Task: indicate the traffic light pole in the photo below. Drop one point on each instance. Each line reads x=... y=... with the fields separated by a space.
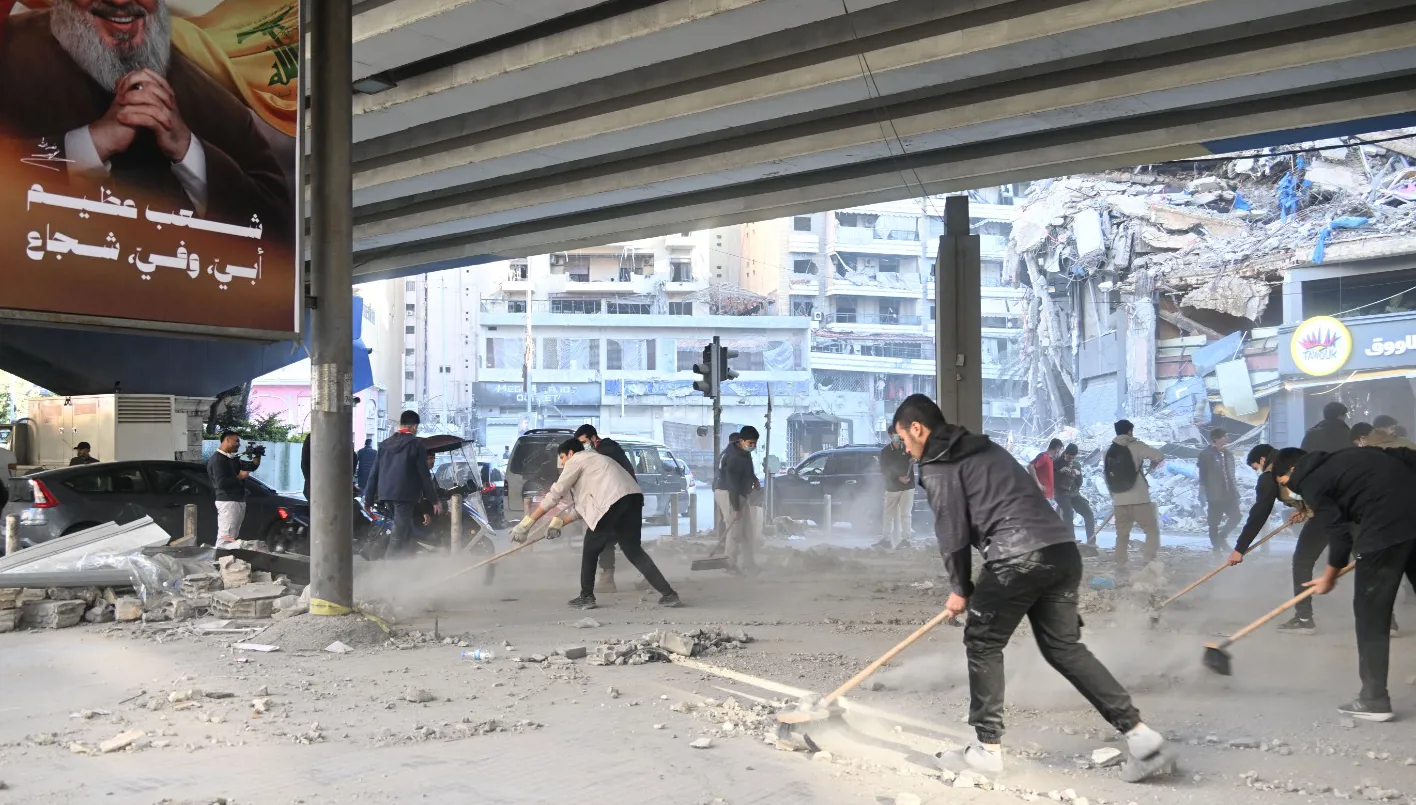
x=717 y=412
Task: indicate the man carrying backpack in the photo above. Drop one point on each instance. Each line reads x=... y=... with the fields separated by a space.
x=1130 y=493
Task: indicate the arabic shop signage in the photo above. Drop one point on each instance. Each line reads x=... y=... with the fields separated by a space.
x=510 y=394
x=1322 y=345
x=108 y=213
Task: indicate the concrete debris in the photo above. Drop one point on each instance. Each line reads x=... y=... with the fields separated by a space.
x=1107 y=756
x=587 y=623
x=417 y=696
x=10 y=619
x=657 y=646
x=247 y=601
x=128 y=609
x=970 y=779
x=338 y=648
x=288 y=606
x=613 y=693
x=234 y=572
x=573 y=652
x=53 y=614
x=98 y=613
x=122 y=740
x=261 y=704
x=201 y=584
x=702 y=743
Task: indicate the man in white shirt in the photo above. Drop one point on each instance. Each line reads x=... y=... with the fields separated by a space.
x=610 y=502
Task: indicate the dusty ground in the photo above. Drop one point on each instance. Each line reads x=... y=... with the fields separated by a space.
x=341 y=728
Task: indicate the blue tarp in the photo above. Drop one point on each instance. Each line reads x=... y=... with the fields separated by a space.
x=1345 y=222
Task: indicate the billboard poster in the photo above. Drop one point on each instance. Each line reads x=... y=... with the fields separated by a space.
x=148 y=162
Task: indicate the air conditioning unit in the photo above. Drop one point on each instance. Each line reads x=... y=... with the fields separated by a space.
x=816 y=315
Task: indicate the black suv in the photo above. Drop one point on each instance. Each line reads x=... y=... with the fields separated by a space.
x=851 y=476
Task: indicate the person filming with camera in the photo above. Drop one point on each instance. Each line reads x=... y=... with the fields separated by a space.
x=228 y=475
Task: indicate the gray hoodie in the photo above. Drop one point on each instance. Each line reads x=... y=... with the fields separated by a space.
x=1140 y=492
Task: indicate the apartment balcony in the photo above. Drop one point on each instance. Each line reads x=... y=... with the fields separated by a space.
x=884 y=284
x=686 y=286
x=872 y=323
x=803 y=242
x=1008 y=293
x=635 y=284
x=803 y=284
x=866 y=241
x=681 y=240
x=512 y=313
x=990 y=247
x=515 y=287
x=832 y=360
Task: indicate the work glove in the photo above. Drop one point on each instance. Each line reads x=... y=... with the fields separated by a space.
x=522 y=530
x=554 y=531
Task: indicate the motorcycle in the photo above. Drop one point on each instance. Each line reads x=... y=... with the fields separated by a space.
x=455 y=474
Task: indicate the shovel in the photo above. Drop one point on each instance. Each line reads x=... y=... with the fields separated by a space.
x=1218 y=660
x=1155 y=616
x=822 y=709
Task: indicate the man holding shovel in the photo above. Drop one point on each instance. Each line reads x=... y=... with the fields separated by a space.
x=982 y=498
x=612 y=505
x=1370 y=486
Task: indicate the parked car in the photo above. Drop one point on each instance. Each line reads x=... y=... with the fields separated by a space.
x=532 y=470
x=493 y=493
x=55 y=503
x=851 y=476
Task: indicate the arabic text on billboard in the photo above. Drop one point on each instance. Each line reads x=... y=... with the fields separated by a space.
x=147 y=160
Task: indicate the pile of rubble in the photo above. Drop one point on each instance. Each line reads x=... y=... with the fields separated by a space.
x=657 y=646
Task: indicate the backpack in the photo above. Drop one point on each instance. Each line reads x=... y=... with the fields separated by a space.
x=1120 y=469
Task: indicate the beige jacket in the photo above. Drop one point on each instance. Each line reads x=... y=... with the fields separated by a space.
x=596 y=482
x=1382 y=439
x=1139 y=493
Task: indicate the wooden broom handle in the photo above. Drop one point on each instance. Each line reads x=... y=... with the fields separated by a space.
x=1281 y=608
x=889 y=655
x=1260 y=541
x=508 y=552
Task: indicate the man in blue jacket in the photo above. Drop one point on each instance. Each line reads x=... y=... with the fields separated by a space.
x=401 y=478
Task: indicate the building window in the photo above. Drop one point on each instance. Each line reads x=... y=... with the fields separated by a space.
x=889 y=265
x=688 y=356
x=575 y=305
x=506 y=353
x=410 y=329
x=845 y=310
x=409 y=352
x=680 y=270
x=803 y=266
x=801 y=223
x=570 y=353
x=410 y=308
x=629 y=354
x=889 y=312
x=627 y=309
x=409 y=375
x=802 y=306
x=680 y=308
x=410 y=285
x=518 y=306
x=857 y=219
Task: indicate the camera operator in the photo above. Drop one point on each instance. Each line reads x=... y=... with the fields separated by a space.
x=228 y=475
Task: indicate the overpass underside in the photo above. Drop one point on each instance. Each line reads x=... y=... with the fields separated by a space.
x=688 y=114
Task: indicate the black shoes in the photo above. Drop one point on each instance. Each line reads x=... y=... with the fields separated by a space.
x=583 y=602
x=1298 y=626
x=1367 y=711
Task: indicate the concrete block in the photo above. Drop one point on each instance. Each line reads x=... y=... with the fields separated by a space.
x=53 y=614
x=122 y=740
x=572 y=652
x=10 y=619
x=681 y=645
x=99 y=613
x=128 y=609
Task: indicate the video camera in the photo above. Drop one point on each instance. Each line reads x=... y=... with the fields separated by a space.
x=254 y=451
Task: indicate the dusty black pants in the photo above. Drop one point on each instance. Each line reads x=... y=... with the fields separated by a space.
x=1069 y=505
x=622 y=525
x=1223 y=518
x=1041 y=586
x=1378 y=579
x=1312 y=541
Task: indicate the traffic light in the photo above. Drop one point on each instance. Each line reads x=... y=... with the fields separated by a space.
x=704 y=369
x=725 y=372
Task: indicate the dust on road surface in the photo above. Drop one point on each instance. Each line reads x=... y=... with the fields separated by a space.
x=412 y=721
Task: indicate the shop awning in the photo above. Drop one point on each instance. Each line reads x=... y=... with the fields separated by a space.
x=1339 y=378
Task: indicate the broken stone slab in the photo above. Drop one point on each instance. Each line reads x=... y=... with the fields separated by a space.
x=573 y=652
x=702 y=743
x=53 y=614
x=1107 y=756
x=10 y=619
x=679 y=644
x=338 y=647
x=234 y=572
x=969 y=779
x=200 y=584
x=101 y=612
x=128 y=609
x=417 y=696
x=587 y=623
x=123 y=740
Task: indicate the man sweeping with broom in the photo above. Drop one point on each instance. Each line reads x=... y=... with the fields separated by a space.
x=982 y=498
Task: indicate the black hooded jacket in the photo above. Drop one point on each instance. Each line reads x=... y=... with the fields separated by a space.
x=1367 y=487
x=1328 y=436
x=983 y=498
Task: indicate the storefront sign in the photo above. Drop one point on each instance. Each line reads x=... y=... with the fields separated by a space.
x=1382 y=346
x=1320 y=346
x=541 y=394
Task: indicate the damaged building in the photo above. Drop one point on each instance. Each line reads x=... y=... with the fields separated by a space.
x=1244 y=291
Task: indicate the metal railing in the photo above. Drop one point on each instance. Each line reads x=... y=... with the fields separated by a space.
x=873 y=318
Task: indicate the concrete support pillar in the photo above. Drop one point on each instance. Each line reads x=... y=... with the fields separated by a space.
x=958 y=319
x=331 y=320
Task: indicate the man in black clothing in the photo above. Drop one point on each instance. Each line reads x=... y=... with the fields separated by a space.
x=1067 y=484
x=1216 y=465
x=1331 y=434
x=732 y=491
x=588 y=436
x=364 y=464
x=982 y=498
x=82 y=455
x=228 y=474
x=1312 y=538
x=1371 y=487
x=401 y=478
x=897 y=468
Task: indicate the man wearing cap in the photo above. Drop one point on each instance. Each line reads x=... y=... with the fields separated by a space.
x=82 y=457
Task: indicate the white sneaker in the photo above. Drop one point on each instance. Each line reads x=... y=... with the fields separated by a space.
x=975 y=756
x=1151 y=755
